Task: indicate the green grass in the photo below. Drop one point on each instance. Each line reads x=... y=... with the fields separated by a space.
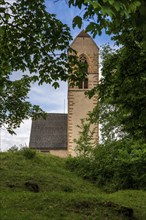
x=62 y=195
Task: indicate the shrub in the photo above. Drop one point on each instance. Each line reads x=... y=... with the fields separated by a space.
x=28 y=153
x=80 y=165
x=114 y=166
x=85 y=142
x=13 y=149
x=120 y=165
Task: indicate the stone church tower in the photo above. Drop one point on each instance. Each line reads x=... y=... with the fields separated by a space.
x=78 y=104
x=57 y=132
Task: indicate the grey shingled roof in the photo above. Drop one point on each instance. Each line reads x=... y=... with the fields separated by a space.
x=49 y=133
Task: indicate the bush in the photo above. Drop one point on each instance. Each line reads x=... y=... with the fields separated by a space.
x=13 y=149
x=121 y=165
x=81 y=166
x=85 y=142
x=28 y=153
x=114 y=166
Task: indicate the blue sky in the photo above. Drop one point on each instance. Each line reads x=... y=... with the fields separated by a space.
x=66 y=15
x=48 y=98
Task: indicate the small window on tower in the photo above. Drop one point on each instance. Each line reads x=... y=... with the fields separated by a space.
x=86 y=83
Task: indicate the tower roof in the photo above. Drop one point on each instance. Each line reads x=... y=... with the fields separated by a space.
x=83 y=34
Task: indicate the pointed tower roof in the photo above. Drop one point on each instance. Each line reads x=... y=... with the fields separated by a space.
x=83 y=34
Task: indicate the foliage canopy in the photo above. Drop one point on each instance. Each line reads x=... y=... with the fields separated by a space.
x=115 y=16
x=122 y=89
x=34 y=41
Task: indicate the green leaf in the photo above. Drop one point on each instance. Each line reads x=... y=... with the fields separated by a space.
x=77 y=21
x=55 y=85
x=2 y=10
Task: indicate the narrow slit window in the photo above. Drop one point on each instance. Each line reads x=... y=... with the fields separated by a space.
x=86 y=83
x=83 y=84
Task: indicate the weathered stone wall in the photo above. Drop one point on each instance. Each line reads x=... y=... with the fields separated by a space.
x=78 y=104
x=59 y=153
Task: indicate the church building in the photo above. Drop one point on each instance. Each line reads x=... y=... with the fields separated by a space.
x=57 y=132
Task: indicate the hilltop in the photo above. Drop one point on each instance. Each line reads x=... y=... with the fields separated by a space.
x=39 y=186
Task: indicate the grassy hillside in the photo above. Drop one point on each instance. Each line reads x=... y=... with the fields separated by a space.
x=41 y=188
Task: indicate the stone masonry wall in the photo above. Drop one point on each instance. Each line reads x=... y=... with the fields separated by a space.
x=78 y=104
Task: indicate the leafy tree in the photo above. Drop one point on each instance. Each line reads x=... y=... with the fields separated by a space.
x=122 y=89
x=30 y=37
x=85 y=142
x=115 y=16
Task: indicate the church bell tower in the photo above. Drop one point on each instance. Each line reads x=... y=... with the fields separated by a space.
x=78 y=103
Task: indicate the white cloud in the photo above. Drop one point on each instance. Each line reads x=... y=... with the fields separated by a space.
x=22 y=138
x=48 y=98
x=11 y=1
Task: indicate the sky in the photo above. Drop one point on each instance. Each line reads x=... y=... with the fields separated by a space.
x=49 y=99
